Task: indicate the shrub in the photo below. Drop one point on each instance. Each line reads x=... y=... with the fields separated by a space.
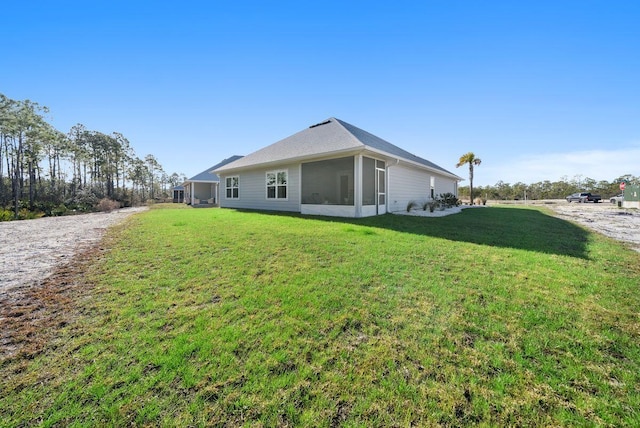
x=411 y=205
x=59 y=210
x=449 y=200
x=107 y=205
x=431 y=205
x=84 y=200
x=6 y=215
x=25 y=214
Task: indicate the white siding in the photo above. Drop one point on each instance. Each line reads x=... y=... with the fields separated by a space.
x=252 y=190
x=404 y=185
x=410 y=184
x=445 y=185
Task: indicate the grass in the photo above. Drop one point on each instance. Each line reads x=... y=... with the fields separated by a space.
x=495 y=316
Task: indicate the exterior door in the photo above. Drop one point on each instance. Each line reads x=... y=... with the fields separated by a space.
x=381 y=188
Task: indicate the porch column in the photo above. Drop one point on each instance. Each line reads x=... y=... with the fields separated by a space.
x=357 y=185
x=193 y=189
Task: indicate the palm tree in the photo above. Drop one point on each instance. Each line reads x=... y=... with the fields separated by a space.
x=472 y=160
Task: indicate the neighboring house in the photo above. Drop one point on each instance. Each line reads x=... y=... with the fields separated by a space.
x=335 y=169
x=203 y=188
x=178 y=194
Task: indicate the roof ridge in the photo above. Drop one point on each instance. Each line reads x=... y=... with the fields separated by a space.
x=342 y=123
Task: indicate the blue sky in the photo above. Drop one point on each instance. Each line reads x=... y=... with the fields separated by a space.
x=539 y=90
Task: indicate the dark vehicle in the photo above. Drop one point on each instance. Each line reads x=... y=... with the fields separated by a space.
x=616 y=199
x=584 y=197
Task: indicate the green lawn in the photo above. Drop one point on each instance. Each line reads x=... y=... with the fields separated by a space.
x=496 y=316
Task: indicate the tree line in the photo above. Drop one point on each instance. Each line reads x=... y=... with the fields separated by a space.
x=548 y=189
x=45 y=170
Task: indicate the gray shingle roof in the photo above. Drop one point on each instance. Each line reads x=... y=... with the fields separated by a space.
x=208 y=175
x=330 y=136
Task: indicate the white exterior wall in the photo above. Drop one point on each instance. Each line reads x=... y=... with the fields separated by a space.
x=329 y=210
x=405 y=184
x=252 y=190
x=445 y=185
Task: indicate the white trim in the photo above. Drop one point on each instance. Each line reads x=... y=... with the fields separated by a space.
x=329 y=210
x=368 y=211
x=276 y=185
x=227 y=187
x=357 y=184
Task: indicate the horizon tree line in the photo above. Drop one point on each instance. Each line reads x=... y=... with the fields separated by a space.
x=547 y=189
x=44 y=169
x=540 y=190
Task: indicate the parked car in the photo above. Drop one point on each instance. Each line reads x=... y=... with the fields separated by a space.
x=616 y=199
x=583 y=197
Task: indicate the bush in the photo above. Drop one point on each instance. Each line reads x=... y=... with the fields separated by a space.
x=59 y=210
x=25 y=214
x=430 y=205
x=107 y=205
x=411 y=205
x=6 y=215
x=449 y=200
x=85 y=200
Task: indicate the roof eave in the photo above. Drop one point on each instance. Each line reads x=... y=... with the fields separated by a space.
x=350 y=150
x=203 y=181
x=414 y=163
x=224 y=170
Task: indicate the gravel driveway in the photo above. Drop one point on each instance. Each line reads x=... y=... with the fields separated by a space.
x=31 y=249
x=622 y=224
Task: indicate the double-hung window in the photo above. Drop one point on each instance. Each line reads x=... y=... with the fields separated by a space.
x=231 y=185
x=277 y=184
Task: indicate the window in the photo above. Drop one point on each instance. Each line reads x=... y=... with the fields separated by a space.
x=232 y=187
x=277 y=183
x=432 y=184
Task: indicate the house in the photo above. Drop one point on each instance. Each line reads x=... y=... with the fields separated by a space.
x=178 y=194
x=332 y=168
x=203 y=188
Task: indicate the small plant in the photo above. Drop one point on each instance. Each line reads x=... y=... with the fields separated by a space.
x=412 y=205
x=430 y=205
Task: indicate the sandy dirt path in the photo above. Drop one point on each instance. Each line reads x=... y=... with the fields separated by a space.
x=618 y=223
x=30 y=250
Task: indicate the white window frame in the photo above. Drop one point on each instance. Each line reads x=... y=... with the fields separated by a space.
x=231 y=187
x=432 y=187
x=276 y=184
